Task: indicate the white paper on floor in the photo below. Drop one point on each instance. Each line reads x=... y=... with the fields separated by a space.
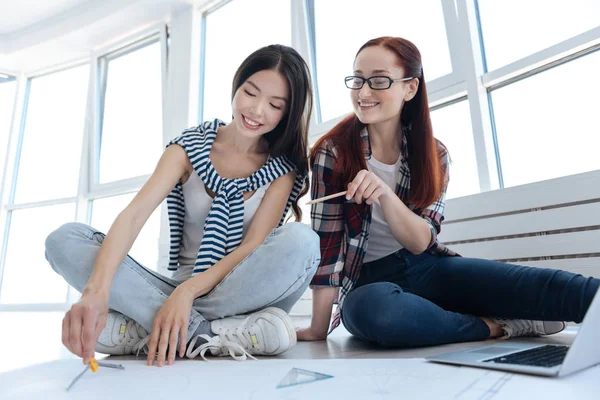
x=383 y=379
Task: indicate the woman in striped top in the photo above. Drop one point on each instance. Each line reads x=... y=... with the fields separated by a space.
x=238 y=268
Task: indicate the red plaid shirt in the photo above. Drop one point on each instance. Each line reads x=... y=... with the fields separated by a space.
x=344 y=226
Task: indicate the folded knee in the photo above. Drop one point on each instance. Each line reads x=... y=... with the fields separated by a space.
x=299 y=240
x=371 y=313
x=63 y=237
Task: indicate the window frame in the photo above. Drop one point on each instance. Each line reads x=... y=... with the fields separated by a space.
x=88 y=189
x=100 y=61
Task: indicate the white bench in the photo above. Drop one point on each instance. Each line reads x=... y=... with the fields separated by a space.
x=550 y=224
x=553 y=224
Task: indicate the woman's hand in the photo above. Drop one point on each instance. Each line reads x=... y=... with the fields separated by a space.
x=367 y=187
x=171 y=323
x=83 y=323
x=308 y=335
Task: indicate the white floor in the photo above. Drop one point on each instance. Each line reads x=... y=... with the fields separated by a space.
x=28 y=338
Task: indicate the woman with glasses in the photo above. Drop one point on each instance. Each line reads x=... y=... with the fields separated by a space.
x=395 y=284
x=231 y=253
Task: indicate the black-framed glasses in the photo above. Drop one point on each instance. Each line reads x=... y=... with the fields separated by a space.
x=375 y=82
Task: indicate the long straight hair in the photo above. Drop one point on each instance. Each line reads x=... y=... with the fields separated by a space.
x=427 y=176
x=290 y=136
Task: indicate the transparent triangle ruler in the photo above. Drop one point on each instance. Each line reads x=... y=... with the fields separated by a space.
x=298 y=376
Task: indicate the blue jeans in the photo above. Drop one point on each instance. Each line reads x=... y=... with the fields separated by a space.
x=275 y=274
x=407 y=300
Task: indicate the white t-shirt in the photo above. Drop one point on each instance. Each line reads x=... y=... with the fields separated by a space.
x=381 y=241
x=197 y=207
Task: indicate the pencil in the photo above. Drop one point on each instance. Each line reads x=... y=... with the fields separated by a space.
x=331 y=196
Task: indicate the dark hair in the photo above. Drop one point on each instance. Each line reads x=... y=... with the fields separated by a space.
x=290 y=136
x=427 y=175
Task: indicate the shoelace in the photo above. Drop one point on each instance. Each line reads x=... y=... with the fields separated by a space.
x=230 y=341
x=516 y=327
x=133 y=338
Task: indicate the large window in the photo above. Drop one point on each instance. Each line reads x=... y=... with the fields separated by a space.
x=52 y=138
x=452 y=126
x=343 y=26
x=145 y=248
x=27 y=276
x=79 y=156
x=547 y=123
x=48 y=169
x=131 y=130
x=7 y=100
x=233 y=32
x=513 y=29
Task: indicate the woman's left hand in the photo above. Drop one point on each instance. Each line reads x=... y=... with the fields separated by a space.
x=171 y=323
x=367 y=187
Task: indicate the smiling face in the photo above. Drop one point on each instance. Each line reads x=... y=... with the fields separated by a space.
x=376 y=106
x=260 y=103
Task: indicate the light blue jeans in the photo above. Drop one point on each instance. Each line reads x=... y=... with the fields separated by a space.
x=275 y=274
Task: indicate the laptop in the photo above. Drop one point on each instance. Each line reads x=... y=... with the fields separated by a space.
x=536 y=359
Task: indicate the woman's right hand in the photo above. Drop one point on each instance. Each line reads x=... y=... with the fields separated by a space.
x=83 y=324
x=323 y=299
x=308 y=334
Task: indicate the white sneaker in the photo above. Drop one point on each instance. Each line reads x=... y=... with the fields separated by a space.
x=266 y=332
x=121 y=335
x=525 y=327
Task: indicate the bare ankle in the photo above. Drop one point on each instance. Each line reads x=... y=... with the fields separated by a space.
x=495 y=328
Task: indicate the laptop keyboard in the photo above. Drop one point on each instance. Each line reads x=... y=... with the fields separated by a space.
x=543 y=356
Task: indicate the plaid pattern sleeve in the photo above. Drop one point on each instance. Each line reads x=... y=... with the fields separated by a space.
x=434 y=214
x=328 y=219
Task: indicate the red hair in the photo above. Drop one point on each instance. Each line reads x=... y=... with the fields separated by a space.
x=426 y=173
